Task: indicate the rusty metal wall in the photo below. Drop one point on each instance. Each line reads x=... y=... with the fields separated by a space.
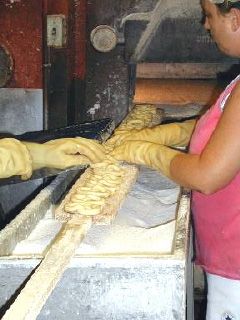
x=60 y=71
x=21 y=34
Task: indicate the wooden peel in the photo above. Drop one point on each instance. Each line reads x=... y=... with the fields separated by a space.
x=33 y=296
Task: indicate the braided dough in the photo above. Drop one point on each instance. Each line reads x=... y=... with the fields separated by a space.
x=103 y=181
x=142 y=116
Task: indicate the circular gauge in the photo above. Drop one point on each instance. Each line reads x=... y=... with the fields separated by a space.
x=103 y=38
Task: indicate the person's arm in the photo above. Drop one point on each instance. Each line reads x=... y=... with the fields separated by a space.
x=65 y=152
x=176 y=134
x=15 y=159
x=219 y=162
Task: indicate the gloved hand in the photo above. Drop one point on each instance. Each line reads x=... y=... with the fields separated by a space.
x=14 y=159
x=65 y=152
x=154 y=155
x=172 y=134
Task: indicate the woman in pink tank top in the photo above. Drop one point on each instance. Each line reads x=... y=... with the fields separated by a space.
x=214 y=175
x=211 y=170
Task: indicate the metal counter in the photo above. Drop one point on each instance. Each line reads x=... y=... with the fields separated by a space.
x=103 y=284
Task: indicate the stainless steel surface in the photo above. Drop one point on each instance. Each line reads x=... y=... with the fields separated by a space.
x=21 y=110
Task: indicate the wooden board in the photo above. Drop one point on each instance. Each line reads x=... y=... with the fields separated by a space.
x=112 y=204
x=34 y=295
x=176 y=92
x=181 y=70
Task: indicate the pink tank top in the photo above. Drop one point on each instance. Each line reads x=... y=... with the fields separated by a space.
x=216 y=216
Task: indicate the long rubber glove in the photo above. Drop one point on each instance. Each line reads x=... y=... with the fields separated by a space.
x=14 y=159
x=172 y=134
x=65 y=152
x=154 y=155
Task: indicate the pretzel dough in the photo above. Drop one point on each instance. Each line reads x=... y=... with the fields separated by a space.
x=142 y=116
x=103 y=181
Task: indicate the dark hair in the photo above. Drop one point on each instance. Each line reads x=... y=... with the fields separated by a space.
x=227 y=5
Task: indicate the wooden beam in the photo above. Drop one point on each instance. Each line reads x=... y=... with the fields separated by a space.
x=30 y=301
x=181 y=70
x=176 y=91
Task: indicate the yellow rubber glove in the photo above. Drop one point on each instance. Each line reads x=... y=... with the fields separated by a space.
x=14 y=159
x=154 y=155
x=65 y=152
x=172 y=134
